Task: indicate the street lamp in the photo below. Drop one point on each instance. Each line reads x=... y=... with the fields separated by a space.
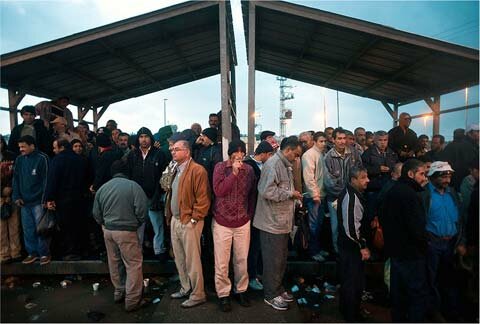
x=165 y=112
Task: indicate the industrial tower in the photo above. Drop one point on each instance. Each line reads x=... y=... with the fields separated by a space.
x=285 y=113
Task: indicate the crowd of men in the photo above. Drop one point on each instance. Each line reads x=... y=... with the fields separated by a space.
x=172 y=193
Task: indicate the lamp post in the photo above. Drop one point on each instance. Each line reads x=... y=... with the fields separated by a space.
x=165 y=112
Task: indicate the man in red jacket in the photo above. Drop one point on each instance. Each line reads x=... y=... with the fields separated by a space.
x=234 y=187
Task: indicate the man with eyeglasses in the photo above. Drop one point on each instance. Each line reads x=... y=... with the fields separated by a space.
x=402 y=140
x=188 y=203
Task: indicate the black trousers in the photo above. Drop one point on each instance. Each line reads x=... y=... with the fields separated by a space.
x=274 y=253
x=72 y=222
x=352 y=279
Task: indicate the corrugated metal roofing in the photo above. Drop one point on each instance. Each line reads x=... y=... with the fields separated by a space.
x=356 y=56
x=126 y=59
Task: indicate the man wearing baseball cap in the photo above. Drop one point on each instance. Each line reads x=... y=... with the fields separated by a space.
x=445 y=234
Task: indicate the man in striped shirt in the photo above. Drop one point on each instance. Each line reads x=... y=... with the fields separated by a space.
x=351 y=243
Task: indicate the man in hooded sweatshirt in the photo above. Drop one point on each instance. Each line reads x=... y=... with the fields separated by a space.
x=146 y=164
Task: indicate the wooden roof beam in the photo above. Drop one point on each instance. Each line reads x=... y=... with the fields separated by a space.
x=305 y=47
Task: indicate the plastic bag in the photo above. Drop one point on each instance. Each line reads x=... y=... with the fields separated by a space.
x=47 y=224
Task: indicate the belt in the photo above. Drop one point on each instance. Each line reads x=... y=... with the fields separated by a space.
x=440 y=238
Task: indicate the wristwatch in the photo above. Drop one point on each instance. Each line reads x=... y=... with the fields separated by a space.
x=193 y=221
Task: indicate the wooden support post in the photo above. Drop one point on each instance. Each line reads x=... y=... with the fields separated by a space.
x=224 y=82
x=435 y=107
x=95 y=118
x=14 y=99
x=251 y=77
x=82 y=112
x=395 y=114
x=233 y=91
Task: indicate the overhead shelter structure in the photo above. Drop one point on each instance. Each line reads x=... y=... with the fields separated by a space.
x=353 y=56
x=129 y=58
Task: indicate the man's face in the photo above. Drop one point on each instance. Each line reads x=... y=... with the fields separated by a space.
x=196 y=128
x=424 y=142
x=145 y=141
x=307 y=141
x=26 y=149
x=369 y=141
x=64 y=102
x=381 y=142
x=56 y=148
x=122 y=142
x=115 y=134
x=111 y=126
x=473 y=135
x=28 y=118
x=82 y=129
x=436 y=144
x=60 y=127
x=213 y=121
x=418 y=176
x=321 y=143
x=329 y=134
x=404 y=120
x=205 y=140
x=350 y=140
x=237 y=156
x=340 y=141
x=361 y=136
x=179 y=152
x=292 y=154
x=265 y=156
x=442 y=181
x=77 y=148
x=361 y=181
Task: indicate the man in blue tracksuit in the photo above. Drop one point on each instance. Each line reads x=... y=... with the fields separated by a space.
x=29 y=183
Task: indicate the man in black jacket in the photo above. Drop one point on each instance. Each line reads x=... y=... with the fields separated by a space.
x=33 y=127
x=146 y=164
x=379 y=161
x=402 y=140
x=107 y=154
x=403 y=221
x=66 y=187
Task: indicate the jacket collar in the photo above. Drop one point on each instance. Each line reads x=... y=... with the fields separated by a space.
x=336 y=154
x=119 y=175
x=282 y=158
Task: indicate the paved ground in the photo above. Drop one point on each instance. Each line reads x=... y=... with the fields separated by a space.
x=51 y=303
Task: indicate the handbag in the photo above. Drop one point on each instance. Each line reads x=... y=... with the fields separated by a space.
x=302 y=235
x=47 y=224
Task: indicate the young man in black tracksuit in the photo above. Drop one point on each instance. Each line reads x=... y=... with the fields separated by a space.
x=146 y=164
x=352 y=244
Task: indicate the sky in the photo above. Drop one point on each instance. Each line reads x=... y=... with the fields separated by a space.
x=27 y=23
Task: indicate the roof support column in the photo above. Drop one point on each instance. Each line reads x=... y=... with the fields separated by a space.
x=82 y=112
x=224 y=80
x=435 y=107
x=233 y=92
x=95 y=118
x=14 y=99
x=393 y=112
x=251 y=77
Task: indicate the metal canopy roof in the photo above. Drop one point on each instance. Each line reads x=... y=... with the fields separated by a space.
x=125 y=59
x=355 y=56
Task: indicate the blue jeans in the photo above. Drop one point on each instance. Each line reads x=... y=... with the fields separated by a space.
x=156 y=218
x=315 y=221
x=34 y=244
x=334 y=224
x=408 y=290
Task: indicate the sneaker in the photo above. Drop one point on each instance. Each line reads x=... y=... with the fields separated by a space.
x=277 y=303
x=45 y=259
x=287 y=297
x=318 y=257
x=30 y=259
x=324 y=253
x=192 y=303
x=179 y=295
x=255 y=284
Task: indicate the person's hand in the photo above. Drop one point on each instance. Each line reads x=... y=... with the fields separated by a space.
x=461 y=249
x=316 y=200
x=297 y=195
x=51 y=205
x=375 y=223
x=92 y=190
x=199 y=140
x=365 y=254
x=236 y=165
x=410 y=153
x=384 y=168
x=19 y=202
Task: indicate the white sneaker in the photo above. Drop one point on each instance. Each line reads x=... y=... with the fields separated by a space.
x=318 y=257
x=287 y=297
x=277 y=303
x=255 y=284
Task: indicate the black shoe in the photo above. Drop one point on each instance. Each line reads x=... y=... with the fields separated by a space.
x=162 y=257
x=225 y=305
x=243 y=299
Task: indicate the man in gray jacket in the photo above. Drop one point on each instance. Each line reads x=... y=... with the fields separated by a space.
x=120 y=207
x=274 y=218
x=338 y=162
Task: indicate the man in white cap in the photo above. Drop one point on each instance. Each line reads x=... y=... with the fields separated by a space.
x=445 y=234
